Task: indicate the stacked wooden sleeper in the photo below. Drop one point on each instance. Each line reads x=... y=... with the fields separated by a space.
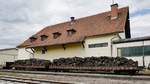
x=75 y=62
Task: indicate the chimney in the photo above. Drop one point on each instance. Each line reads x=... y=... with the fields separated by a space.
x=114 y=11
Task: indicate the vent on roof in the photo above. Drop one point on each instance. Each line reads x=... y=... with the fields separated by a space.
x=72 y=20
x=56 y=35
x=71 y=32
x=32 y=39
x=43 y=37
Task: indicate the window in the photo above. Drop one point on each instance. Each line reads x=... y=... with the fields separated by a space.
x=71 y=32
x=130 y=51
x=44 y=50
x=43 y=37
x=98 y=45
x=147 y=50
x=134 y=51
x=32 y=39
x=56 y=35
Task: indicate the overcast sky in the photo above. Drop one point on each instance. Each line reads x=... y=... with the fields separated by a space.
x=20 y=19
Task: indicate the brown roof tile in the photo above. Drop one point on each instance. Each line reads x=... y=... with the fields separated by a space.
x=99 y=24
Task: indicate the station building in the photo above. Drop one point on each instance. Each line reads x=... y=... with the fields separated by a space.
x=103 y=34
x=8 y=55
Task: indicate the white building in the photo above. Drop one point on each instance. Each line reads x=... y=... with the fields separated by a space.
x=137 y=49
x=83 y=37
x=8 y=55
x=104 y=34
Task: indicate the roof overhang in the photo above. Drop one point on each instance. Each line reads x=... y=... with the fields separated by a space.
x=132 y=40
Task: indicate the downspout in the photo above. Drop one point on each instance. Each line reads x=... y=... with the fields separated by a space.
x=143 y=55
x=32 y=53
x=83 y=44
x=111 y=45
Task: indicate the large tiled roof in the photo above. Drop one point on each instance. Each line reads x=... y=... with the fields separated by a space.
x=99 y=24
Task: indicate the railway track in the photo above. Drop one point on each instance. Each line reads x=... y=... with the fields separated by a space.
x=30 y=80
x=91 y=75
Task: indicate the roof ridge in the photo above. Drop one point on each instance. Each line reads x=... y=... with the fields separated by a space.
x=64 y=22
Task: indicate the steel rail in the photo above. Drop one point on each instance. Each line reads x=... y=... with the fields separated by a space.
x=91 y=75
x=30 y=80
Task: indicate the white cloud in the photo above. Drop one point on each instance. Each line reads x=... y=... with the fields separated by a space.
x=140 y=25
x=21 y=18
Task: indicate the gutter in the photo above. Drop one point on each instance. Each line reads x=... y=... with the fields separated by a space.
x=117 y=35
